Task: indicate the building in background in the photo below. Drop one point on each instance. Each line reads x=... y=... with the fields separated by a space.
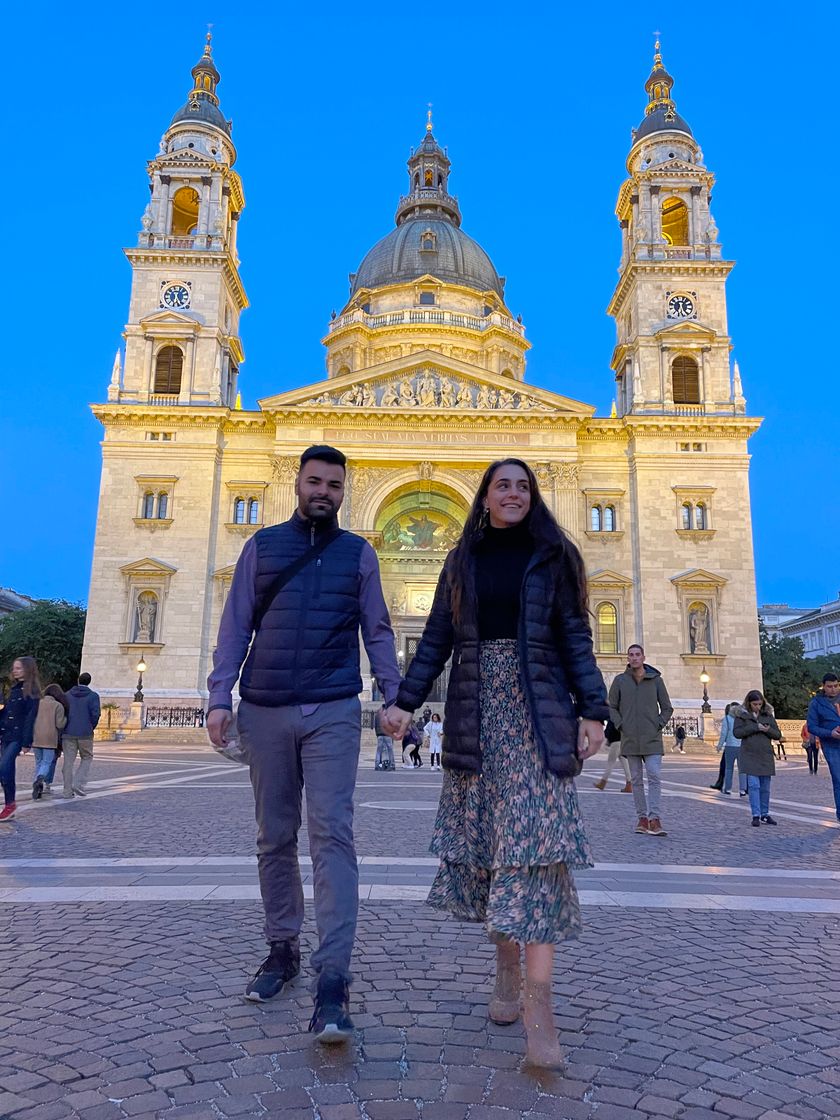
x=11 y=601
x=425 y=385
x=818 y=628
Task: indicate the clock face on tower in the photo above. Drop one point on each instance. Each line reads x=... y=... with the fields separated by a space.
x=680 y=307
x=176 y=296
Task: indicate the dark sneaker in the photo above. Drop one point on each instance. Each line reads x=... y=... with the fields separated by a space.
x=756 y=822
x=768 y=820
x=331 y=1022
x=37 y=788
x=280 y=966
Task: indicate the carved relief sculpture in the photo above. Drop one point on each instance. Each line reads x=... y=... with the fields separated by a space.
x=145 y=617
x=698 y=628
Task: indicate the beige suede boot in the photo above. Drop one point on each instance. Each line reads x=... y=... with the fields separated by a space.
x=543 y=1049
x=504 y=1003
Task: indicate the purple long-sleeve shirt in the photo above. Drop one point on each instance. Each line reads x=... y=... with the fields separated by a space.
x=237 y=627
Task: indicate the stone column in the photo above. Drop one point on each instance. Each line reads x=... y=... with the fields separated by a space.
x=204 y=214
x=282 y=491
x=656 y=221
x=694 y=217
x=567 y=494
x=146 y=385
x=667 y=383
x=188 y=375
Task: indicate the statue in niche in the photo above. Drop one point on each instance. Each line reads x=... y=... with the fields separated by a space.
x=698 y=628
x=407 y=396
x=465 y=399
x=447 y=392
x=426 y=391
x=389 y=397
x=145 y=617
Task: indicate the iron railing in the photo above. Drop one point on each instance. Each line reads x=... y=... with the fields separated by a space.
x=174 y=717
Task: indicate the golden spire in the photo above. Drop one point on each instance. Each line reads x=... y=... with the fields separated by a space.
x=657 y=57
x=208 y=52
x=429 y=118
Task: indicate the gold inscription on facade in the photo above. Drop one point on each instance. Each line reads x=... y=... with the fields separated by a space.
x=395 y=438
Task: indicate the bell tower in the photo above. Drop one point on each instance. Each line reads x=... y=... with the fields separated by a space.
x=672 y=352
x=182 y=343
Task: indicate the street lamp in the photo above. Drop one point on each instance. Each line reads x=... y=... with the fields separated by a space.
x=704 y=680
x=141 y=669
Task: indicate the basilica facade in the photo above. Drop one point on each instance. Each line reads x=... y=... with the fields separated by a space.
x=426 y=384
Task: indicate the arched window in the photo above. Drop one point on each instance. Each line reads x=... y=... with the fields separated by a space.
x=675 y=221
x=506 y=373
x=169 y=365
x=700 y=520
x=686 y=515
x=343 y=371
x=609 y=519
x=184 y=212
x=607 y=628
x=685 y=380
x=416 y=182
x=239 y=511
x=595 y=519
x=148 y=505
x=253 y=512
x=163 y=505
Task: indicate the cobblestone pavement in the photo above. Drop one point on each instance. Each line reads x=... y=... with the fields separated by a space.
x=706 y=984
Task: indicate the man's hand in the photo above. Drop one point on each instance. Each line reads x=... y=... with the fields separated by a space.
x=395 y=721
x=590 y=738
x=218 y=723
x=835 y=731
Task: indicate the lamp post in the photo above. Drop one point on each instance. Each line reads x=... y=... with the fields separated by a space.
x=706 y=708
x=141 y=669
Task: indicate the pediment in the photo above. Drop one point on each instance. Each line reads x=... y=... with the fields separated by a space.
x=606 y=577
x=182 y=156
x=425 y=382
x=148 y=566
x=699 y=577
x=167 y=318
x=685 y=328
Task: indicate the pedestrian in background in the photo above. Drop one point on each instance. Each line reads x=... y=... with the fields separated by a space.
x=730 y=744
x=525 y=705
x=384 y=759
x=756 y=727
x=613 y=737
x=51 y=718
x=640 y=708
x=824 y=722
x=812 y=748
x=17 y=726
x=679 y=739
x=434 y=731
x=77 y=738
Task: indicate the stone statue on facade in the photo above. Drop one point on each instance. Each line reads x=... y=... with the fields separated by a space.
x=389 y=397
x=698 y=628
x=426 y=391
x=144 y=628
x=465 y=398
x=407 y=396
x=447 y=392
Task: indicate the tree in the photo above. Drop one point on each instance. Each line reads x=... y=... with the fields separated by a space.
x=788 y=681
x=51 y=631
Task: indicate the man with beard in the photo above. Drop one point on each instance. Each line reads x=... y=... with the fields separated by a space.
x=299 y=595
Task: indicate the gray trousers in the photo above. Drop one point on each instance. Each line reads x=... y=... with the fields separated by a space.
x=652 y=763
x=71 y=745
x=286 y=751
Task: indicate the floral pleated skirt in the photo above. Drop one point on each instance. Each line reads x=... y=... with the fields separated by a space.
x=509 y=837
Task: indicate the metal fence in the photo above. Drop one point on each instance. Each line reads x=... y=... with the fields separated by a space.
x=690 y=723
x=174 y=717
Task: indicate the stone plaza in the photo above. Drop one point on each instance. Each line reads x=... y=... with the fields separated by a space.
x=706 y=983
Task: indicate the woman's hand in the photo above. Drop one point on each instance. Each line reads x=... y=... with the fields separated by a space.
x=590 y=738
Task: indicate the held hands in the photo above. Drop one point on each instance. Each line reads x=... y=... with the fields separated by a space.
x=395 y=721
x=590 y=738
x=218 y=723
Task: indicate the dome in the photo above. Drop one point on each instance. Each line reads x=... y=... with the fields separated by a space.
x=662 y=119
x=454 y=258
x=200 y=110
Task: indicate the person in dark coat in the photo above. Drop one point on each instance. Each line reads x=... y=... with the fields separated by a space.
x=525 y=704
x=756 y=727
x=17 y=726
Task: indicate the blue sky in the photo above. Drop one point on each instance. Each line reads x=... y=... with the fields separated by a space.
x=535 y=104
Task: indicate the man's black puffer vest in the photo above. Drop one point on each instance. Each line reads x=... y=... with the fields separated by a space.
x=307 y=649
x=560 y=676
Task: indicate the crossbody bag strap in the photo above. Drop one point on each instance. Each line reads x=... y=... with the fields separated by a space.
x=288 y=573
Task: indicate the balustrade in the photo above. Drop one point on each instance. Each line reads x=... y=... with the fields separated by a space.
x=422 y=315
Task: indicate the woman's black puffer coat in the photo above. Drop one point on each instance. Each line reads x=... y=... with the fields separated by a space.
x=560 y=676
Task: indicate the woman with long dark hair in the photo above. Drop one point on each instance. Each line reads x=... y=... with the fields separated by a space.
x=525 y=705
x=46 y=739
x=756 y=727
x=17 y=724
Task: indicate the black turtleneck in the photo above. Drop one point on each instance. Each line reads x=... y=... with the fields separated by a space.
x=501 y=559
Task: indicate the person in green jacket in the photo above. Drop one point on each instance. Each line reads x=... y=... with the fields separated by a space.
x=640 y=707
